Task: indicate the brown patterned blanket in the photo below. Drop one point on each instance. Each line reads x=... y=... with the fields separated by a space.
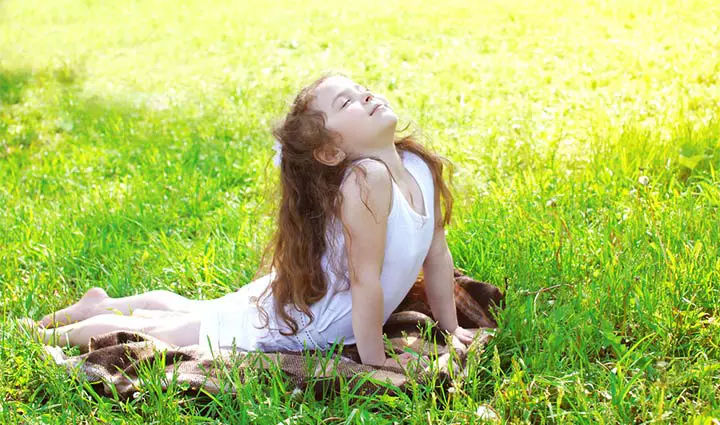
x=114 y=360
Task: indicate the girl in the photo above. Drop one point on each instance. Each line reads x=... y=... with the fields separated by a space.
x=359 y=217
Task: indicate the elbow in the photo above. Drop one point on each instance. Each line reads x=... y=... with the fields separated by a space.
x=442 y=257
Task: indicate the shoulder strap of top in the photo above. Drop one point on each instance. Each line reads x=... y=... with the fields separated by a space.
x=416 y=162
x=424 y=173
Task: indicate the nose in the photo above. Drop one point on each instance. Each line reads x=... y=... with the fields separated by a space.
x=367 y=97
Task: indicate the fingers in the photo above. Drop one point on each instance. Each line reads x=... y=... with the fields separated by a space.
x=459 y=344
x=406 y=357
x=464 y=335
x=392 y=363
x=459 y=341
x=465 y=338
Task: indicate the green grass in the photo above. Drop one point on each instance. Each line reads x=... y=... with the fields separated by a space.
x=134 y=152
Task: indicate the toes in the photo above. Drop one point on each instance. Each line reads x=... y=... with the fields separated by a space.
x=30 y=326
x=25 y=322
x=51 y=321
x=44 y=322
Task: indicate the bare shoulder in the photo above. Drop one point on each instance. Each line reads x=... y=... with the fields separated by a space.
x=368 y=185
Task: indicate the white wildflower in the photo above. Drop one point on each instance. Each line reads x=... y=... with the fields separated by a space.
x=487 y=413
x=277 y=147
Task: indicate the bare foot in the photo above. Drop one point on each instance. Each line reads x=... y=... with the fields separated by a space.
x=81 y=310
x=31 y=327
x=44 y=336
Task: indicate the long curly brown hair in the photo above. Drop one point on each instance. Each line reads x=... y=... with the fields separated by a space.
x=311 y=198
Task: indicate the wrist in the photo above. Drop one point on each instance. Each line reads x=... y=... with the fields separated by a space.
x=376 y=361
x=387 y=361
x=450 y=329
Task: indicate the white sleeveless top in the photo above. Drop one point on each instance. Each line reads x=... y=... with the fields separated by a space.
x=408 y=240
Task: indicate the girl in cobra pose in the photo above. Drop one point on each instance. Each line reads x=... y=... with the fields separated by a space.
x=359 y=218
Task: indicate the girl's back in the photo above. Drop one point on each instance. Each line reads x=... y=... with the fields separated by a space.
x=409 y=235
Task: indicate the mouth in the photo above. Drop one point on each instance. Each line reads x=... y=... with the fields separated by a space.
x=376 y=108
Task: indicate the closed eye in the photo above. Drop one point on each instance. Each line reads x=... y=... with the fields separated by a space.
x=345 y=103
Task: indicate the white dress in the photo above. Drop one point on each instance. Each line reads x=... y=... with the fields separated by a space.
x=235 y=318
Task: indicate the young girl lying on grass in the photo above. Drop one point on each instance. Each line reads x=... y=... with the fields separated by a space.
x=359 y=217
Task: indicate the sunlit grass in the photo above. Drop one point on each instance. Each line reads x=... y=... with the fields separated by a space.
x=135 y=155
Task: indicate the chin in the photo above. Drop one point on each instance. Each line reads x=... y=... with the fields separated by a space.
x=388 y=120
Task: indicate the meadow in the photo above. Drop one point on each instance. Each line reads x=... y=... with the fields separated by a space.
x=135 y=154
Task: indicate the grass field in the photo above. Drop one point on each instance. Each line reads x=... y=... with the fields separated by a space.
x=135 y=155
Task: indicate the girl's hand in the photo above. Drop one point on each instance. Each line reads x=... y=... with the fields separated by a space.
x=405 y=358
x=463 y=335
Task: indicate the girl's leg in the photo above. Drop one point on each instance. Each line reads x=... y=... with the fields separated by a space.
x=181 y=329
x=96 y=301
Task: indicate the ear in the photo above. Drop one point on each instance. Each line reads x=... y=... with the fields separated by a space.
x=329 y=155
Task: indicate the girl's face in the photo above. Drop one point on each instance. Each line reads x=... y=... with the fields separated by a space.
x=363 y=119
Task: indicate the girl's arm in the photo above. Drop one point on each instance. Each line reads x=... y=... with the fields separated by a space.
x=438 y=270
x=439 y=279
x=365 y=210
